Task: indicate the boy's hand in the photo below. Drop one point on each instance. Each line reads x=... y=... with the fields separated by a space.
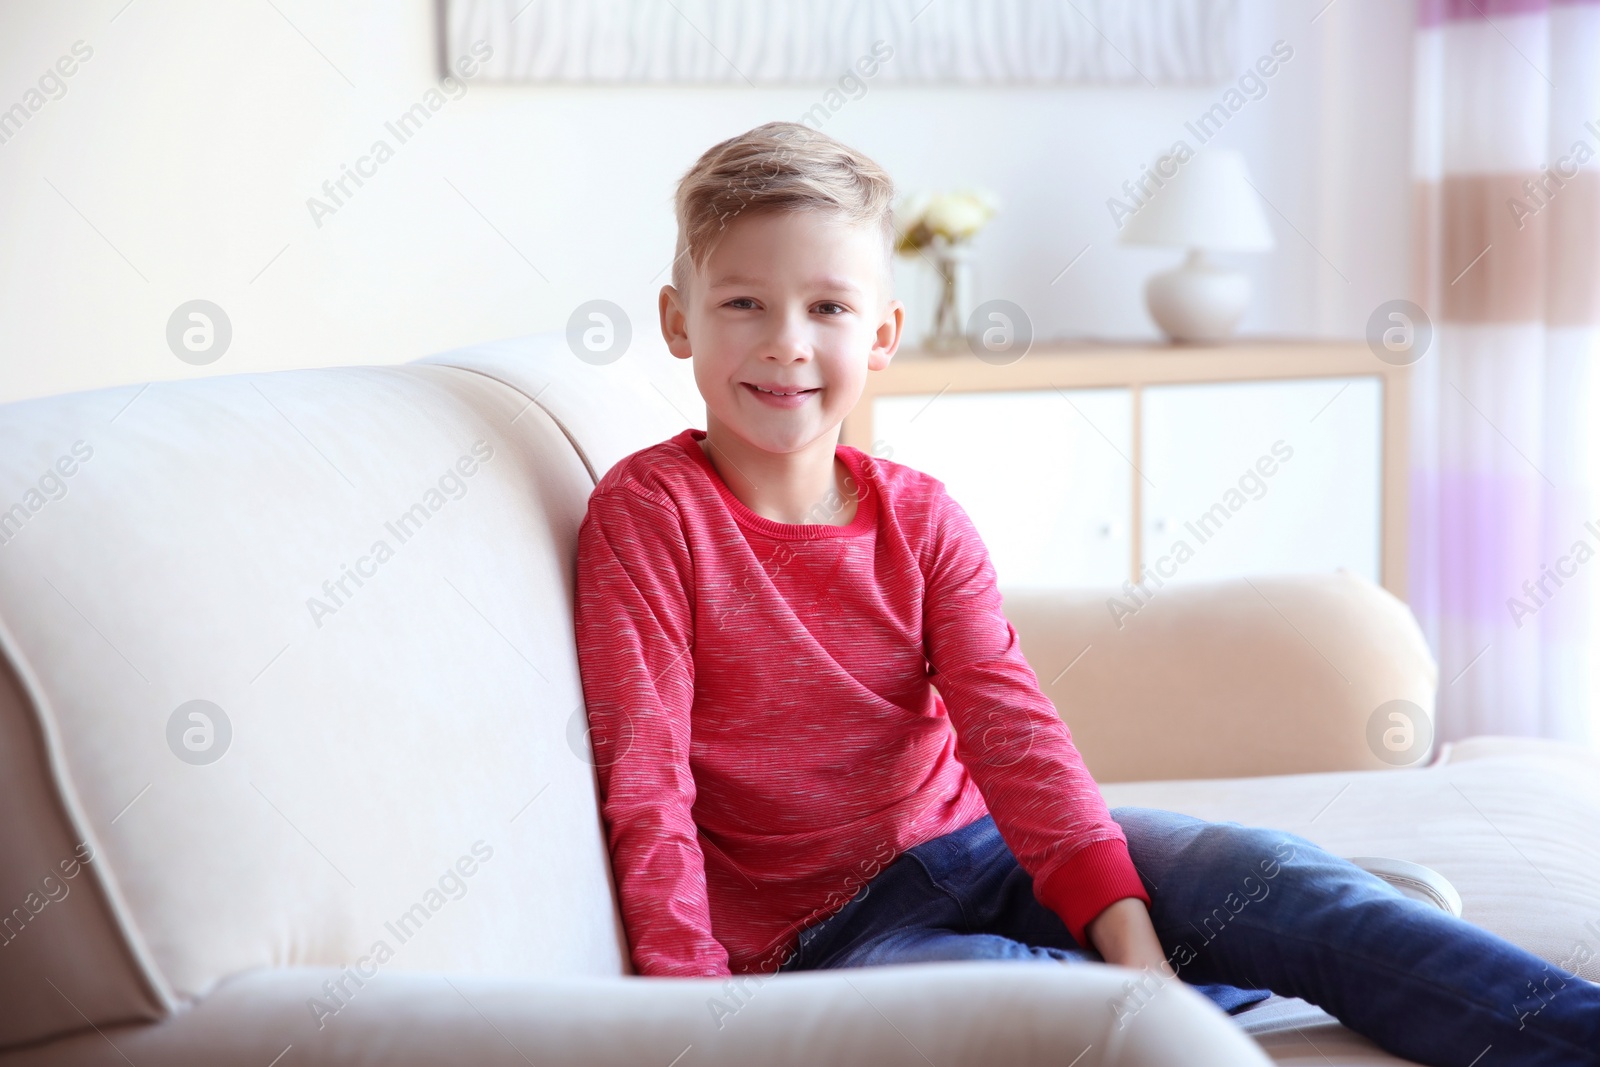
x=1124 y=935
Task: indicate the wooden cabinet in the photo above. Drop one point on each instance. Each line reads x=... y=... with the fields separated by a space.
x=1085 y=464
x=1038 y=471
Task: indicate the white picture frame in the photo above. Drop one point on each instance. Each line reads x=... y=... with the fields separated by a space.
x=777 y=42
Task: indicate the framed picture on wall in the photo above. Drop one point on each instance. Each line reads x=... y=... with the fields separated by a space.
x=736 y=42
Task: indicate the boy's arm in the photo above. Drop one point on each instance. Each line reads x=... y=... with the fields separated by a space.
x=1044 y=801
x=635 y=630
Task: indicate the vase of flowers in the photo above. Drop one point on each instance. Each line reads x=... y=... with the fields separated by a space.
x=940 y=228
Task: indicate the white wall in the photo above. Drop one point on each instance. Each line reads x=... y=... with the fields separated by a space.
x=179 y=161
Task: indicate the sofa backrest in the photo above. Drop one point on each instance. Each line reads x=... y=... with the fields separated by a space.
x=288 y=676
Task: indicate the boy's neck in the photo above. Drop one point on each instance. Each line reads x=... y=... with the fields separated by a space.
x=810 y=485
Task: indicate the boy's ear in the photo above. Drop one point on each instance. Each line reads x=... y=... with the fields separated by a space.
x=674 y=322
x=887 y=340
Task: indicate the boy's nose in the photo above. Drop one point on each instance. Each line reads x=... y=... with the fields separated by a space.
x=787 y=354
x=789 y=343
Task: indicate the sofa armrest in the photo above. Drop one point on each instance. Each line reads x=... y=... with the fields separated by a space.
x=969 y=1013
x=1257 y=676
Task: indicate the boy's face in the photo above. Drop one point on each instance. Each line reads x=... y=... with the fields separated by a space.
x=787 y=300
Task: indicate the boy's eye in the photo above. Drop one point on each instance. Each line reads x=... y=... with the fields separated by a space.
x=745 y=301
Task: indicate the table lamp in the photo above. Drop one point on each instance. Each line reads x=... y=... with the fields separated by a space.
x=1209 y=205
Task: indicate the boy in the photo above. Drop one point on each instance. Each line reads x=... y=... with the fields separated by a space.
x=761 y=617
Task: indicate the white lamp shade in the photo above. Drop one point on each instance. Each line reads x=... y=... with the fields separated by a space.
x=1208 y=204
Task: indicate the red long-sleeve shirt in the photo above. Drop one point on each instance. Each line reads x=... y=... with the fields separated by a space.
x=765 y=728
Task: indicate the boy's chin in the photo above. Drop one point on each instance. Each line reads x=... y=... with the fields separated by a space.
x=779 y=440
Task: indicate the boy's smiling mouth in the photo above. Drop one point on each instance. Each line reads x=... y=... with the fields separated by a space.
x=779 y=395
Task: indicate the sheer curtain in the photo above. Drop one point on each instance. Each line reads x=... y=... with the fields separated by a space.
x=1505 y=556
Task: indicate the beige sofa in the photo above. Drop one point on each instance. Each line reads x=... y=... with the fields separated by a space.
x=377 y=839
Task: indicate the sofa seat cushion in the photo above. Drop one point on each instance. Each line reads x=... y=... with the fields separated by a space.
x=1511 y=822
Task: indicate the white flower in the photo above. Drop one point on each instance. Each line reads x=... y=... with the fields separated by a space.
x=957 y=217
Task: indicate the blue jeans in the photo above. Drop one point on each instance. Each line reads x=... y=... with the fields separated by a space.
x=1241 y=912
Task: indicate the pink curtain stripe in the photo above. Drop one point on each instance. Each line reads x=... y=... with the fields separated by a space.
x=1434 y=12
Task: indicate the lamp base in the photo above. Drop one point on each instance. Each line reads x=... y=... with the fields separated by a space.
x=1197 y=302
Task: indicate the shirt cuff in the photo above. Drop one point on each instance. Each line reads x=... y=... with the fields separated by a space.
x=1093 y=878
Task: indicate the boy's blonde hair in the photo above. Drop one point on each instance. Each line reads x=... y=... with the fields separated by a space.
x=778 y=166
